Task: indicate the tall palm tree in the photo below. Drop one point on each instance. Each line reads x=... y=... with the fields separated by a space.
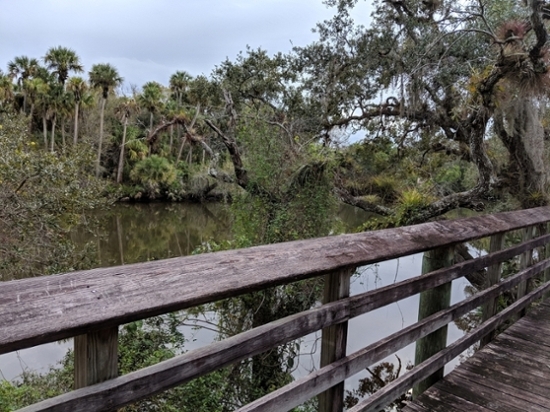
x=77 y=86
x=41 y=102
x=105 y=78
x=151 y=99
x=55 y=109
x=34 y=88
x=125 y=108
x=22 y=68
x=62 y=60
x=179 y=83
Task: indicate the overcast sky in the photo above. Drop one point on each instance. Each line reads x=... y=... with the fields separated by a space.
x=151 y=39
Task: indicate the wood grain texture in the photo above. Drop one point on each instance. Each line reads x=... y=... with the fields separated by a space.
x=137 y=385
x=509 y=374
x=299 y=391
x=493 y=277
x=400 y=385
x=95 y=357
x=544 y=229
x=41 y=310
x=525 y=261
x=432 y=301
x=149 y=381
x=334 y=339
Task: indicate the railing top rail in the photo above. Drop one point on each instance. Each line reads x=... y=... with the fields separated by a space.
x=45 y=309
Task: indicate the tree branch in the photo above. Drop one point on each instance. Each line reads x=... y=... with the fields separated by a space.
x=347 y=198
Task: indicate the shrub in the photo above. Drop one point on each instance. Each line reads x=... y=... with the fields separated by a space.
x=154 y=174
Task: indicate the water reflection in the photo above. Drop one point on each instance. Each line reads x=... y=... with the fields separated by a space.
x=130 y=233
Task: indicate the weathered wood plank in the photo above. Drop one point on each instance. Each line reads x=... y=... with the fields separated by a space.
x=40 y=310
x=442 y=401
x=507 y=375
x=148 y=381
x=512 y=342
x=489 y=372
x=392 y=293
x=492 y=382
x=531 y=335
x=299 y=391
x=545 y=228
x=95 y=357
x=493 y=277
x=485 y=396
x=525 y=261
x=334 y=339
x=432 y=301
x=413 y=407
x=395 y=388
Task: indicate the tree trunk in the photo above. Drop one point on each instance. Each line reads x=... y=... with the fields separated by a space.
x=520 y=130
x=121 y=157
x=190 y=155
x=180 y=151
x=45 y=131
x=53 y=134
x=31 y=114
x=171 y=140
x=102 y=113
x=75 y=136
x=63 y=134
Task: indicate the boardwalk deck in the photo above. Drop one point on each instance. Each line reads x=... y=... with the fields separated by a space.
x=512 y=373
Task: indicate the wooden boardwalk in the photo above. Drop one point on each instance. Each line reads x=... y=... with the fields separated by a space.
x=512 y=373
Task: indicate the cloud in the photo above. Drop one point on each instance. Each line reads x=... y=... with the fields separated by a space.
x=150 y=39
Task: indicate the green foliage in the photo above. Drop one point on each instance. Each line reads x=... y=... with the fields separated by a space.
x=141 y=344
x=154 y=174
x=42 y=196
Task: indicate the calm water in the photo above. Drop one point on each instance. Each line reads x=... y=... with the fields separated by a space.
x=139 y=232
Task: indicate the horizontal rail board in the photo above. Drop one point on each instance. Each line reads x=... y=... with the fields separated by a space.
x=41 y=310
x=301 y=390
x=391 y=391
x=149 y=381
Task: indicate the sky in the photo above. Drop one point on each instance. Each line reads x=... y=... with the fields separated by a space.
x=149 y=40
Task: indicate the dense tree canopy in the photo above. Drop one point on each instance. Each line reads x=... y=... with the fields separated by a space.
x=445 y=103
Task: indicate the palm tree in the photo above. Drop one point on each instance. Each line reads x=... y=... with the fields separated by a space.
x=77 y=86
x=6 y=91
x=105 y=78
x=179 y=83
x=125 y=108
x=55 y=107
x=150 y=98
x=22 y=68
x=41 y=102
x=62 y=60
x=34 y=88
x=171 y=110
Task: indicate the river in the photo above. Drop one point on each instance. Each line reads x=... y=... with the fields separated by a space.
x=140 y=232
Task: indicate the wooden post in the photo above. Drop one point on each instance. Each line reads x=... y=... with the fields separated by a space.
x=432 y=301
x=95 y=357
x=526 y=260
x=334 y=339
x=544 y=229
x=493 y=277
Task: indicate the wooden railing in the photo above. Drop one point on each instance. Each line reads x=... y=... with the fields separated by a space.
x=90 y=305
